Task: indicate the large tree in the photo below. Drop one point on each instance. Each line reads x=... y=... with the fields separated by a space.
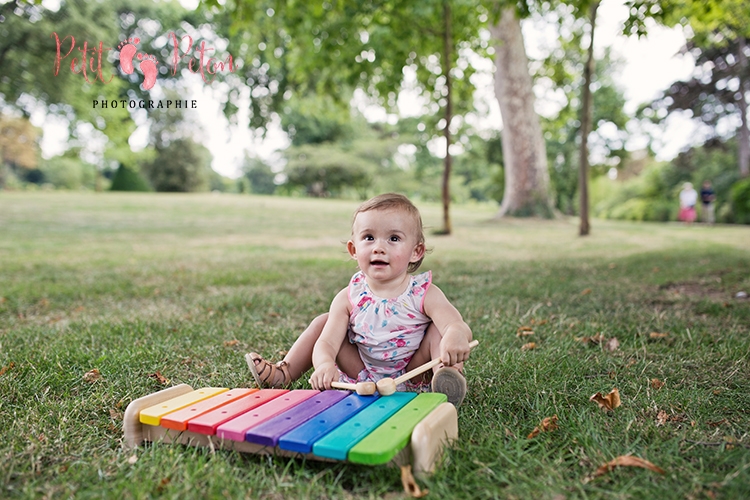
x=583 y=162
x=19 y=147
x=526 y=175
x=720 y=88
x=336 y=47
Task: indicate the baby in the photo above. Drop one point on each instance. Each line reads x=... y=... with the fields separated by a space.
x=387 y=321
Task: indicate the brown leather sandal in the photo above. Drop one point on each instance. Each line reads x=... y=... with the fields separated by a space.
x=267 y=374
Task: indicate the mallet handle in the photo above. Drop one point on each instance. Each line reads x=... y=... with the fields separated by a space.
x=427 y=366
x=344 y=385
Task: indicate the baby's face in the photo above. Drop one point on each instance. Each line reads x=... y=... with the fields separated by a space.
x=384 y=242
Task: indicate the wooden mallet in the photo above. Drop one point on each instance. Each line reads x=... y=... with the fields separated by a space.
x=362 y=388
x=387 y=386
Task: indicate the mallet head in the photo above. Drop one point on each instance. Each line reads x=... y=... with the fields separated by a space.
x=386 y=386
x=366 y=388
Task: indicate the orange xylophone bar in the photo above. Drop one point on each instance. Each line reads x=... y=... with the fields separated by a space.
x=323 y=425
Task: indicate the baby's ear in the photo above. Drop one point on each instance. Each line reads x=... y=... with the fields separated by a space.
x=418 y=252
x=351 y=249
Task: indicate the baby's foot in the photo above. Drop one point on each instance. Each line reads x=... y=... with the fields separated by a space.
x=127 y=52
x=267 y=374
x=450 y=382
x=148 y=68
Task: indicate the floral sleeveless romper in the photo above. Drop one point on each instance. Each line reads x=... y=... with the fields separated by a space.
x=387 y=332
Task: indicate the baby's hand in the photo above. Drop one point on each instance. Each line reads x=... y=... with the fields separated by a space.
x=323 y=376
x=454 y=349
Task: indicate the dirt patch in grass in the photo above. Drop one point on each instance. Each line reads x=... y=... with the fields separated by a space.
x=700 y=290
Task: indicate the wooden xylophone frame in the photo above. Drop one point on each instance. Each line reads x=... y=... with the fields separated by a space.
x=428 y=439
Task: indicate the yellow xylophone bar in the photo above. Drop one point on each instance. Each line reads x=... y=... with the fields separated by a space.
x=402 y=429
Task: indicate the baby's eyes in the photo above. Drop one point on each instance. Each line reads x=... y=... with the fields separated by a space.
x=393 y=239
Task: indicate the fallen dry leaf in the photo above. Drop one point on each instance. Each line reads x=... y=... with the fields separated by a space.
x=656 y=383
x=611 y=345
x=718 y=423
x=529 y=346
x=163 y=484
x=593 y=340
x=657 y=335
x=159 y=378
x=731 y=441
x=586 y=291
x=608 y=402
x=661 y=418
x=5 y=369
x=3 y=300
x=133 y=459
x=92 y=376
x=524 y=330
x=548 y=424
x=231 y=343
x=624 y=461
x=411 y=487
x=539 y=322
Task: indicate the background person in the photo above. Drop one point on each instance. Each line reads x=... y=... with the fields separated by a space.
x=688 y=200
x=707 y=200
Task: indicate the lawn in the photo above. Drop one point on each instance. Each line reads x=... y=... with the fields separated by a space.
x=184 y=285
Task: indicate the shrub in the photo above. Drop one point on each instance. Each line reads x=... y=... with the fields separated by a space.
x=740 y=194
x=182 y=166
x=68 y=173
x=127 y=179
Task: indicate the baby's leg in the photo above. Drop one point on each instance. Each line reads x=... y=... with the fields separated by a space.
x=448 y=380
x=348 y=359
x=297 y=361
x=299 y=357
x=428 y=350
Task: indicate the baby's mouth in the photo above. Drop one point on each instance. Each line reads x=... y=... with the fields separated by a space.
x=378 y=263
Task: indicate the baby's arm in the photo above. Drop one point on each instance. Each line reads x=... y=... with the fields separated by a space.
x=328 y=344
x=455 y=333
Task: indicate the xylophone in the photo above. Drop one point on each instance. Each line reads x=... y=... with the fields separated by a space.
x=324 y=425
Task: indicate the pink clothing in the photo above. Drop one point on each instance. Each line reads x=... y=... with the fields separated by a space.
x=387 y=332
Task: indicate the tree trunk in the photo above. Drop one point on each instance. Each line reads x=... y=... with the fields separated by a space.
x=743 y=135
x=583 y=165
x=447 y=41
x=526 y=176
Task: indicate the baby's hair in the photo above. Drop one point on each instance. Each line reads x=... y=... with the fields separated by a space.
x=390 y=201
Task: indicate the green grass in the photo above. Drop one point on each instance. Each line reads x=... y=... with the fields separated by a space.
x=131 y=284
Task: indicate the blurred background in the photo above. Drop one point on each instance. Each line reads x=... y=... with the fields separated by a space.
x=624 y=102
